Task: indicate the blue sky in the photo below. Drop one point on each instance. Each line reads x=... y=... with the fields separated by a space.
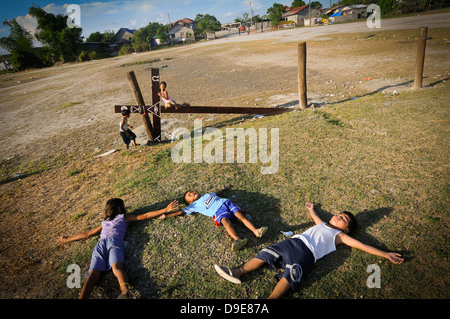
x=102 y=15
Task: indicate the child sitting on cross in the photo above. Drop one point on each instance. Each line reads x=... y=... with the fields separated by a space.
x=298 y=254
x=164 y=95
x=222 y=210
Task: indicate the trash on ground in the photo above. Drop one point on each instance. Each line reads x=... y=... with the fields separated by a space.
x=287 y=233
x=105 y=154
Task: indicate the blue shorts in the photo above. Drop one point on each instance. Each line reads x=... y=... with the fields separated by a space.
x=293 y=256
x=108 y=251
x=127 y=139
x=228 y=209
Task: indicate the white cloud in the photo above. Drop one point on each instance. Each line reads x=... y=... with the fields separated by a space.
x=28 y=22
x=145 y=7
x=112 y=11
x=55 y=9
x=229 y=14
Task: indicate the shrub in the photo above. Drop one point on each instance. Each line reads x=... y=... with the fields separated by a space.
x=126 y=49
x=84 y=56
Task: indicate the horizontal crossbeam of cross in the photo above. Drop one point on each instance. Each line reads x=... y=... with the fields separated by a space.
x=207 y=109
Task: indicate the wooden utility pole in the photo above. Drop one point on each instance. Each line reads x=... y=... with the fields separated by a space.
x=310 y=23
x=420 y=59
x=251 y=15
x=140 y=101
x=302 y=75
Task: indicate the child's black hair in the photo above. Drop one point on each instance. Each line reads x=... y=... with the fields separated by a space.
x=184 y=198
x=126 y=112
x=352 y=223
x=162 y=82
x=114 y=207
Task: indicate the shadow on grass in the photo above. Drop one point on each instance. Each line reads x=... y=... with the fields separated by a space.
x=139 y=277
x=261 y=210
x=365 y=219
x=311 y=102
x=332 y=261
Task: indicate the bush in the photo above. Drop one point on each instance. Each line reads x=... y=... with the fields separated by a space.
x=93 y=55
x=84 y=56
x=140 y=47
x=126 y=49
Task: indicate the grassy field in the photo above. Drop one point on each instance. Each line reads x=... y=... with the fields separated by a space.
x=382 y=156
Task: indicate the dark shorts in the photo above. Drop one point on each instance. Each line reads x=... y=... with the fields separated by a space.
x=108 y=251
x=228 y=209
x=293 y=256
x=127 y=139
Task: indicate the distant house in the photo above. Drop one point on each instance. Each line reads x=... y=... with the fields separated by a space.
x=345 y=13
x=182 y=30
x=299 y=14
x=123 y=35
x=333 y=10
x=232 y=25
x=5 y=65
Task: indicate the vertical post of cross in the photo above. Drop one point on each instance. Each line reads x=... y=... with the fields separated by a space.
x=140 y=101
x=302 y=103
x=156 y=103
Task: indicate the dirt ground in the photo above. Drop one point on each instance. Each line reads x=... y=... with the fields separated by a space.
x=63 y=115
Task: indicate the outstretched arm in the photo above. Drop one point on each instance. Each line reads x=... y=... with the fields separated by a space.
x=178 y=213
x=83 y=235
x=312 y=212
x=343 y=238
x=153 y=214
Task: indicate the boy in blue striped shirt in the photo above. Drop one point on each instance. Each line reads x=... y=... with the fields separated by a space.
x=222 y=210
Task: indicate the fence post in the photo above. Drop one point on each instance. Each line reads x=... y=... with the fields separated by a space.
x=140 y=101
x=302 y=75
x=420 y=59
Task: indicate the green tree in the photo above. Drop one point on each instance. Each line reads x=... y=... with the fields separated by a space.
x=316 y=5
x=297 y=3
x=62 y=43
x=275 y=12
x=20 y=45
x=95 y=37
x=142 y=37
x=245 y=18
x=387 y=6
x=206 y=22
x=108 y=37
x=163 y=33
x=105 y=37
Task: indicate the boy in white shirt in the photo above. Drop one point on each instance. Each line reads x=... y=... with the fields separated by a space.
x=298 y=254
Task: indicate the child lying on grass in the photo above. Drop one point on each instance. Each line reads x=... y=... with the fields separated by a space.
x=109 y=251
x=222 y=210
x=297 y=255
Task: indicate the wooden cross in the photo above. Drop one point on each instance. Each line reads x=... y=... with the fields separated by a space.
x=157 y=108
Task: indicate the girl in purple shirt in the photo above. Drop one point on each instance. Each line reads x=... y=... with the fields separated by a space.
x=109 y=251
